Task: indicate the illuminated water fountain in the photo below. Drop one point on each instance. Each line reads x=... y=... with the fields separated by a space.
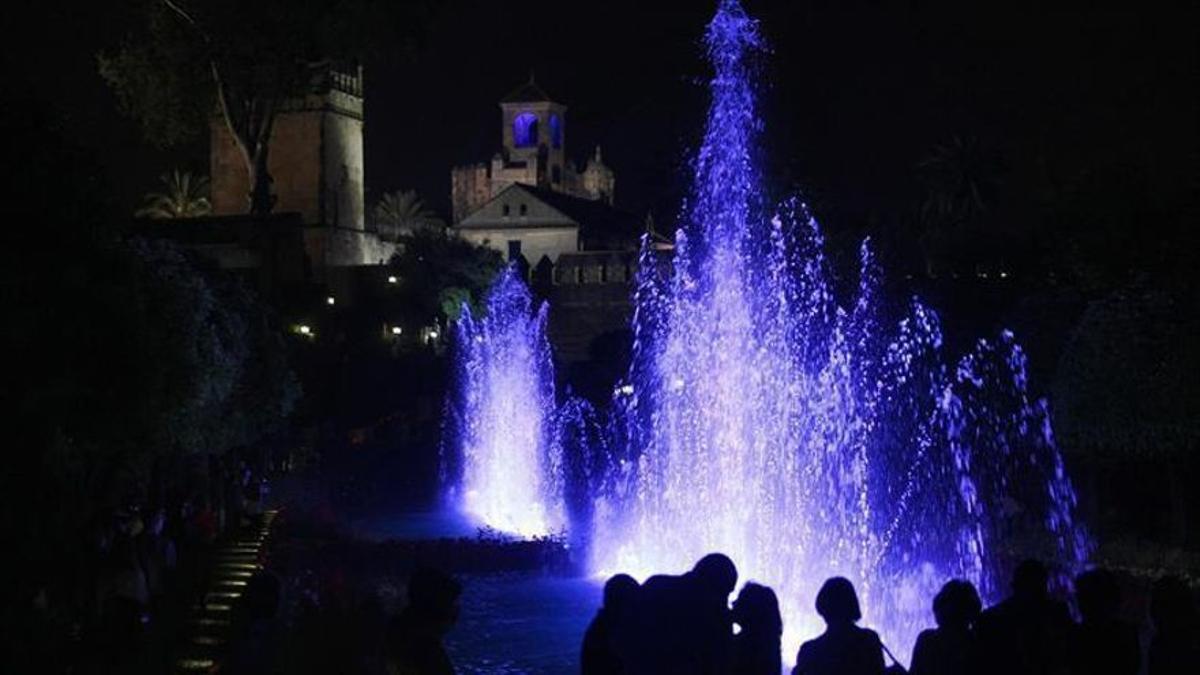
x=502 y=465
x=803 y=437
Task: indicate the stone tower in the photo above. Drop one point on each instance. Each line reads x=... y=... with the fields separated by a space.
x=315 y=160
x=533 y=152
x=533 y=133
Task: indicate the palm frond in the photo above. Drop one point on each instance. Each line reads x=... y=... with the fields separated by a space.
x=185 y=196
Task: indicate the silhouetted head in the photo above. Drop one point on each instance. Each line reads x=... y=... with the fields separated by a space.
x=434 y=594
x=620 y=593
x=957 y=605
x=715 y=572
x=1030 y=579
x=837 y=602
x=757 y=609
x=262 y=596
x=1171 y=606
x=1098 y=593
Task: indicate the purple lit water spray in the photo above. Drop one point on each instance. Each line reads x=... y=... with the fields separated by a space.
x=761 y=418
x=505 y=467
x=804 y=439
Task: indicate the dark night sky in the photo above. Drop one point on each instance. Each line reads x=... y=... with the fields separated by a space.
x=853 y=96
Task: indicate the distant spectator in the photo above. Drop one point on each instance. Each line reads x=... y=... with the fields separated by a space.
x=607 y=642
x=756 y=649
x=844 y=648
x=415 y=637
x=256 y=644
x=1026 y=633
x=952 y=648
x=1175 y=648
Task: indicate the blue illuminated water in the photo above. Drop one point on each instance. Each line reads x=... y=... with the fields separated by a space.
x=503 y=467
x=804 y=435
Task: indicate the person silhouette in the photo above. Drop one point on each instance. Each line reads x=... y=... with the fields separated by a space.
x=1175 y=647
x=1102 y=644
x=257 y=635
x=1025 y=633
x=687 y=626
x=844 y=648
x=951 y=648
x=756 y=649
x=606 y=644
x=415 y=636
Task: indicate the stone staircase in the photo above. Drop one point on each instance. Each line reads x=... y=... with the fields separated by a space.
x=234 y=562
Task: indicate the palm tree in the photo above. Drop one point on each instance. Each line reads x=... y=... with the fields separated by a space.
x=186 y=196
x=960 y=177
x=960 y=180
x=403 y=212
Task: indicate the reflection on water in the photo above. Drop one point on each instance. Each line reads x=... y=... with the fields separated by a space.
x=522 y=623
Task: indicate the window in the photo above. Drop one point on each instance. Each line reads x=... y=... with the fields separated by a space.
x=505 y=210
x=525 y=130
x=514 y=249
x=555 y=131
x=524 y=209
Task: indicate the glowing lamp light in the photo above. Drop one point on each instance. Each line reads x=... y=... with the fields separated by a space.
x=392 y=279
x=433 y=335
x=396 y=330
x=330 y=300
x=627 y=390
x=304 y=329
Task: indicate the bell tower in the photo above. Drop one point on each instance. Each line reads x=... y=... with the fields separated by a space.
x=533 y=132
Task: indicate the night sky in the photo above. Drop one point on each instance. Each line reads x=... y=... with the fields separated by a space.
x=853 y=97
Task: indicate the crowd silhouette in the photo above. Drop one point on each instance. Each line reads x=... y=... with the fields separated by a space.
x=685 y=624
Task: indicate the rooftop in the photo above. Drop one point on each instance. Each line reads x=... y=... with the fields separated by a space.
x=529 y=92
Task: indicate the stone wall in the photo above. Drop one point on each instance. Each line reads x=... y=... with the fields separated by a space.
x=315 y=160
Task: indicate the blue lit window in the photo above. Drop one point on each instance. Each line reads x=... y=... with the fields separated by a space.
x=525 y=130
x=555 y=131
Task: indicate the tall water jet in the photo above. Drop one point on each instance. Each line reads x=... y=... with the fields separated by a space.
x=500 y=463
x=763 y=419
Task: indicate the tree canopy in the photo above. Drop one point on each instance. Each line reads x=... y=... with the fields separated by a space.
x=1124 y=384
x=403 y=212
x=440 y=272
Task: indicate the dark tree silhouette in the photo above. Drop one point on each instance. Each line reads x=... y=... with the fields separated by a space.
x=243 y=60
